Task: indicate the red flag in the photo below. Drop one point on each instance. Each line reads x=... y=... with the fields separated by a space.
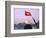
x=27 y=13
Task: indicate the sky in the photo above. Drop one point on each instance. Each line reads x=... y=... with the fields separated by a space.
x=19 y=15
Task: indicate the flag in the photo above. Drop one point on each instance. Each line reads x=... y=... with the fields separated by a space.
x=27 y=13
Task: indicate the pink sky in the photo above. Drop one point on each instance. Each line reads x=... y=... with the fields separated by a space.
x=19 y=16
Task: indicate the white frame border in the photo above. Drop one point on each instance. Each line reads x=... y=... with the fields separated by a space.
x=25 y=31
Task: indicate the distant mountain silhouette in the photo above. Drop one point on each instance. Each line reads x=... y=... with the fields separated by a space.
x=19 y=26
